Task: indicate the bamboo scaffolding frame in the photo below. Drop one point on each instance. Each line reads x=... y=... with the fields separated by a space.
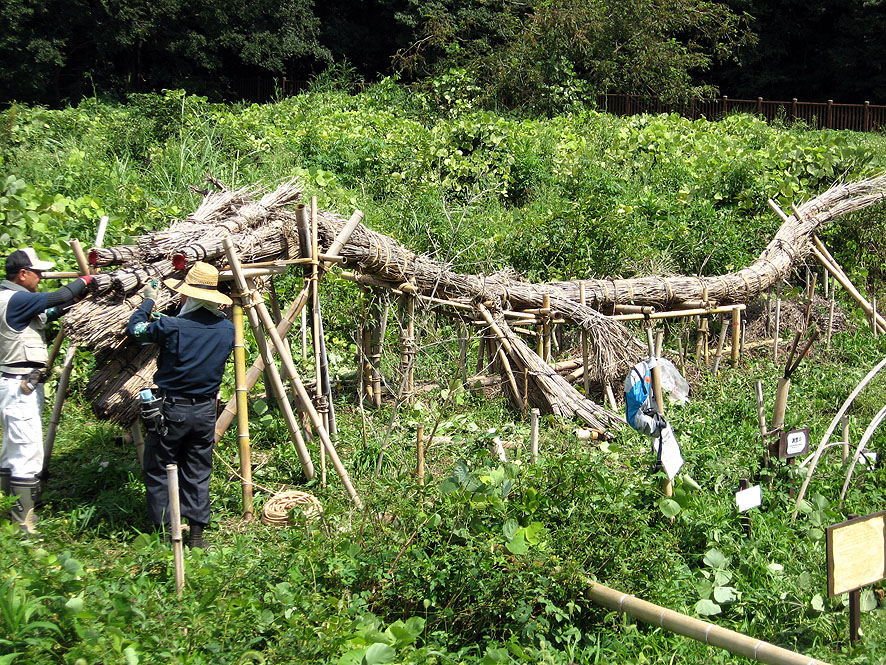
x=286 y=359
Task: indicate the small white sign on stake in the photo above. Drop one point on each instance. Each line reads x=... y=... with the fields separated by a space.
x=749 y=498
x=671 y=457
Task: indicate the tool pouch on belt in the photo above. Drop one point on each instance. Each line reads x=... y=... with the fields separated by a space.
x=152 y=416
x=31 y=381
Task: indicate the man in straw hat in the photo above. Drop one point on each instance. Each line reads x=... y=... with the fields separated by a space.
x=193 y=349
x=23 y=357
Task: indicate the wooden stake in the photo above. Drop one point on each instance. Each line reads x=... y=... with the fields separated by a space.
x=611 y=396
x=420 y=451
x=874 y=316
x=533 y=435
x=781 y=401
x=463 y=351
x=286 y=359
x=845 y=424
x=175 y=522
x=243 y=443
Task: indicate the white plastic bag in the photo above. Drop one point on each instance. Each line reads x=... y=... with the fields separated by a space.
x=672 y=382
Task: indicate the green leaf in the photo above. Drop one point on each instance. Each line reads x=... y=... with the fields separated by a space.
x=74 y=605
x=868 y=600
x=715 y=559
x=518 y=544
x=724 y=594
x=669 y=508
x=352 y=657
x=817 y=603
x=259 y=406
x=707 y=608
x=510 y=528
x=379 y=653
x=7 y=659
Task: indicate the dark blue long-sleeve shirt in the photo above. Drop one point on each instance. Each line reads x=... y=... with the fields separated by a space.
x=24 y=305
x=193 y=349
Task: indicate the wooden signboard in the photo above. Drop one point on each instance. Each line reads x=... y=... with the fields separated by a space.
x=856 y=553
x=793 y=443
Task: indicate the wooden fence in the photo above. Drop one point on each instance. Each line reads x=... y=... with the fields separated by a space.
x=865 y=117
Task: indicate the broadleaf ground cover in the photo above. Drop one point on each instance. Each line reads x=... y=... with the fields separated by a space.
x=488 y=561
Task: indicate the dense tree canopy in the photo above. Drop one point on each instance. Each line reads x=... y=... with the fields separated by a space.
x=535 y=55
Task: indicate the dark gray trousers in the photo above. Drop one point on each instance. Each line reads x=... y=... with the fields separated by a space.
x=188 y=443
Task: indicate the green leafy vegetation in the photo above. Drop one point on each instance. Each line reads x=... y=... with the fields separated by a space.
x=489 y=561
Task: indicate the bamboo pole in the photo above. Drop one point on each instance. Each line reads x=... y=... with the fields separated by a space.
x=781 y=401
x=696 y=629
x=584 y=345
x=820 y=252
x=315 y=328
x=827 y=436
x=736 y=337
x=830 y=321
x=54 y=419
x=679 y=313
x=175 y=521
x=667 y=487
x=420 y=452
x=463 y=351
x=504 y=350
x=761 y=420
x=611 y=396
x=776 y=335
x=67 y=367
x=721 y=340
x=286 y=359
x=874 y=325
x=533 y=435
x=845 y=423
x=243 y=443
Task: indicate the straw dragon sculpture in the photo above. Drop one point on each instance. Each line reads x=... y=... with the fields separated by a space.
x=263 y=229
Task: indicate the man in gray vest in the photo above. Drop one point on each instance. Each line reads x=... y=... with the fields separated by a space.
x=23 y=357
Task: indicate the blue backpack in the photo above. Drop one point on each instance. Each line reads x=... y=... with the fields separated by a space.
x=641 y=411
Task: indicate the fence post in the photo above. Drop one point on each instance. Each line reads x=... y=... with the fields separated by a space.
x=794 y=109
x=830 y=114
x=867 y=116
x=627 y=105
x=759 y=106
x=725 y=105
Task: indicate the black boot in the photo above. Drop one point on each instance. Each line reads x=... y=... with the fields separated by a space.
x=5 y=474
x=196 y=539
x=26 y=490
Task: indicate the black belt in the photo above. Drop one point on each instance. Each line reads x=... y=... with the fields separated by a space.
x=188 y=399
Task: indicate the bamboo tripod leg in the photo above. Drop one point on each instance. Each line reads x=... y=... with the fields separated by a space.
x=243 y=443
x=584 y=347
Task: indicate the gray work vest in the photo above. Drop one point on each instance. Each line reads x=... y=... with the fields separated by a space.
x=20 y=346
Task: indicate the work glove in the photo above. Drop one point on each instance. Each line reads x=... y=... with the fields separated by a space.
x=149 y=292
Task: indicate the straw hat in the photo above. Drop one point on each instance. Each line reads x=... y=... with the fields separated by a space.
x=201 y=282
